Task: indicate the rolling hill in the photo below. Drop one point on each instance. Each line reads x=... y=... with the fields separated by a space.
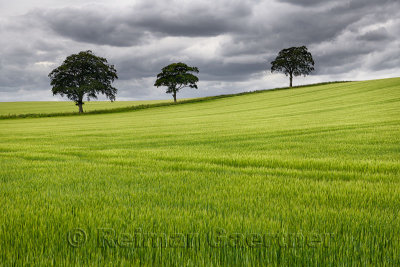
x=306 y=176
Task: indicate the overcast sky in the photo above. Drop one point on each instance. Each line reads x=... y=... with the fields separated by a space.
x=231 y=42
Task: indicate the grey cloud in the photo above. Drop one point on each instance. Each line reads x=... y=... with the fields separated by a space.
x=305 y=27
x=240 y=38
x=198 y=18
x=211 y=70
x=377 y=35
x=321 y=29
x=387 y=61
x=341 y=3
x=135 y=67
x=303 y=2
x=88 y=26
x=26 y=55
x=215 y=71
x=136 y=25
x=355 y=5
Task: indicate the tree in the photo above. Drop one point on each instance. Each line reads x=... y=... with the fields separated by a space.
x=176 y=76
x=294 y=61
x=84 y=74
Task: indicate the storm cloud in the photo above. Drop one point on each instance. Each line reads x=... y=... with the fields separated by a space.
x=232 y=42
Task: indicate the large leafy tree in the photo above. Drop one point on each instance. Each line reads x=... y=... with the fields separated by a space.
x=293 y=61
x=84 y=75
x=177 y=76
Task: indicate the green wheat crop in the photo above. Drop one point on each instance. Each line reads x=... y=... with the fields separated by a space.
x=307 y=176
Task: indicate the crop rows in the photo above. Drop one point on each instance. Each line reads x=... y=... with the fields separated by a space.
x=309 y=176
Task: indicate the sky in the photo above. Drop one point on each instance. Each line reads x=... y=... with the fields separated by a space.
x=231 y=42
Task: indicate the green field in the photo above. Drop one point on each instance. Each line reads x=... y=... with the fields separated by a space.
x=306 y=176
x=36 y=107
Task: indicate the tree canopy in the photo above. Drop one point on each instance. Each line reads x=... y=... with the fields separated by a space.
x=84 y=74
x=293 y=61
x=177 y=76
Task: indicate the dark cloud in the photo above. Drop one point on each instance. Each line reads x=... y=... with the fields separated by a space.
x=387 y=61
x=378 y=35
x=303 y=2
x=196 y=20
x=136 y=25
x=232 y=42
x=353 y=4
x=92 y=26
x=230 y=71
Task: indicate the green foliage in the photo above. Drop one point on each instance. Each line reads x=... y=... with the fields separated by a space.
x=84 y=74
x=177 y=76
x=294 y=61
x=308 y=162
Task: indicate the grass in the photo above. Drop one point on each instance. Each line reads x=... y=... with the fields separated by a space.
x=309 y=176
x=49 y=107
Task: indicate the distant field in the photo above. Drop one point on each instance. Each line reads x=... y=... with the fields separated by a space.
x=35 y=107
x=302 y=177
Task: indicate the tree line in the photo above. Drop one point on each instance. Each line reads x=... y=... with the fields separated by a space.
x=87 y=75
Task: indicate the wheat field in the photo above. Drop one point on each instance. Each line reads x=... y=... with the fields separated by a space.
x=304 y=176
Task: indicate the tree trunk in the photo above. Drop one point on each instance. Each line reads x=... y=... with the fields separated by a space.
x=80 y=108
x=175 y=96
x=291 y=80
x=79 y=103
